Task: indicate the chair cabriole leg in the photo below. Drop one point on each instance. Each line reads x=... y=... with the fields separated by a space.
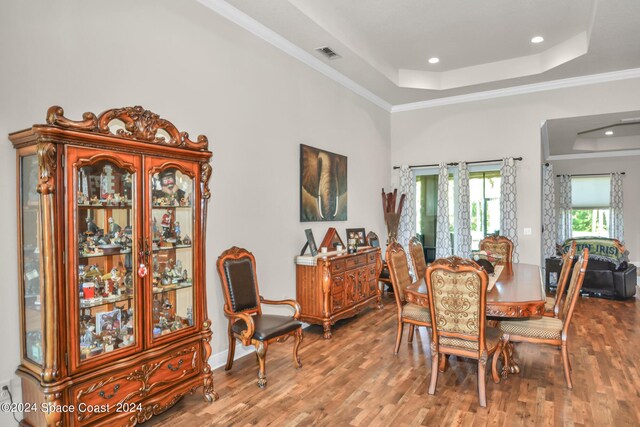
x=567 y=368
x=232 y=349
x=261 y=352
x=398 y=336
x=296 y=346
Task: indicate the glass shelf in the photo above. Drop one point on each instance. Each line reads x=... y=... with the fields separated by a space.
x=171 y=248
x=97 y=302
x=171 y=207
x=173 y=287
x=124 y=207
x=122 y=252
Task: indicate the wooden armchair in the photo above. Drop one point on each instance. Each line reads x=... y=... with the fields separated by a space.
x=413 y=314
x=372 y=240
x=552 y=306
x=237 y=270
x=457 y=291
x=498 y=245
x=550 y=330
x=416 y=251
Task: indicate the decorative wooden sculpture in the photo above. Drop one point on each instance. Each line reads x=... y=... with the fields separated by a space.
x=112 y=212
x=391 y=215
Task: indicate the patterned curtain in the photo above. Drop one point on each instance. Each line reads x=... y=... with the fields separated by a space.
x=564 y=221
x=508 y=208
x=407 y=227
x=443 y=236
x=616 y=223
x=549 y=226
x=463 y=226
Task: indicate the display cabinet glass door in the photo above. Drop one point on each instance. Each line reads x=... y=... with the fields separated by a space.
x=106 y=227
x=172 y=229
x=30 y=259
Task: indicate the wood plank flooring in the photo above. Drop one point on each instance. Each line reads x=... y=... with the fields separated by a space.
x=355 y=380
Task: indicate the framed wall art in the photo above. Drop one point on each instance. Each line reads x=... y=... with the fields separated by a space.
x=323 y=185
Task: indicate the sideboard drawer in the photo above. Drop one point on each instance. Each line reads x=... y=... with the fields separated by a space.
x=355 y=261
x=337 y=266
x=371 y=258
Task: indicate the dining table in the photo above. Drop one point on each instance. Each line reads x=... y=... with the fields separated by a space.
x=515 y=290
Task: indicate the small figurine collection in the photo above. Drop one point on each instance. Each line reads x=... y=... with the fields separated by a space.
x=96 y=286
x=106 y=331
x=167 y=192
x=94 y=241
x=109 y=199
x=169 y=234
x=165 y=319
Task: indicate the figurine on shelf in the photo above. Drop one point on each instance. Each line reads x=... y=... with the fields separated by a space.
x=185 y=201
x=114 y=228
x=186 y=241
x=177 y=324
x=95 y=200
x=166 y=224
x=176 y=229
x=82 y=198
x=163 y=323
x=117 y=200
x=190 y=315
x=92 y=228
x=169 y=189
x=109 y=199
x=87 y=338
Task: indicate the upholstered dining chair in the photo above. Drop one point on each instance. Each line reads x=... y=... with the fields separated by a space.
x=550 y=330
x=552 y=306
x=413 y=314
x=457 y=292
x=417 y=257
x=247 y=323
x=372 y=240
x=498 y=245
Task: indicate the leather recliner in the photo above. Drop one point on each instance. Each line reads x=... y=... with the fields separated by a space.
x=603 y=279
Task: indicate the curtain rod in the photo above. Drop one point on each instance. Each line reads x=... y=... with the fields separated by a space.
x=456 y=163
x=591 y=174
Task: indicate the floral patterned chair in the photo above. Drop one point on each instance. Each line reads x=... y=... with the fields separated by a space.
x=498 y=245
x=413 y=314
x=417 y=258
x=457 y=290
x=551 y=330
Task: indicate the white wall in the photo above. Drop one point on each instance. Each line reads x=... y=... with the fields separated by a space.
x=631 y=166
x=207 y=76
x=500 y=127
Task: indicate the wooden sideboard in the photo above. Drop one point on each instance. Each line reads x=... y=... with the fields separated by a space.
x=337 y=285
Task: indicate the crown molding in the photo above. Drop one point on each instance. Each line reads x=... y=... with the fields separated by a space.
x=521 y=90
x=248 y=23
x=598 y=155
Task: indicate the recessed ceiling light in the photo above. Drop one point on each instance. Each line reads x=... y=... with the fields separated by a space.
x=434 y=60
x=537 y=39
x=609 y=133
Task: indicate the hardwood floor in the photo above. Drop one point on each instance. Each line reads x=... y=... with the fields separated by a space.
x=354 y=379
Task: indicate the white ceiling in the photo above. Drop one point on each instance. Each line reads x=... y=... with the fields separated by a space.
x=482 y=45
x=580 y=137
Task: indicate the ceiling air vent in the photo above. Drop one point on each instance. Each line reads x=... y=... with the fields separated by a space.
x=326 y=51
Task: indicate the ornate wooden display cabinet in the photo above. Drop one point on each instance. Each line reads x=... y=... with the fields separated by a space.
x=334 y=286
x=111 y=238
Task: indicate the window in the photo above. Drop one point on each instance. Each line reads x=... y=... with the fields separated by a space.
x=484 y=191
x=590 y=199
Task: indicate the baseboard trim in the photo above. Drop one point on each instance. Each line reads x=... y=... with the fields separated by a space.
x=220 y=359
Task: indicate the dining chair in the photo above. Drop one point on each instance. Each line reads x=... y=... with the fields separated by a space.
x=498 y=245
x=412 y=314
x=416 y=251
x=457 y=292
x=243 y=308
x=550 y=330
x=372 y=240
x=552 y=306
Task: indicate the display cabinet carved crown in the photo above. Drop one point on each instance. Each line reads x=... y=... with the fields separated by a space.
x=112 y=213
